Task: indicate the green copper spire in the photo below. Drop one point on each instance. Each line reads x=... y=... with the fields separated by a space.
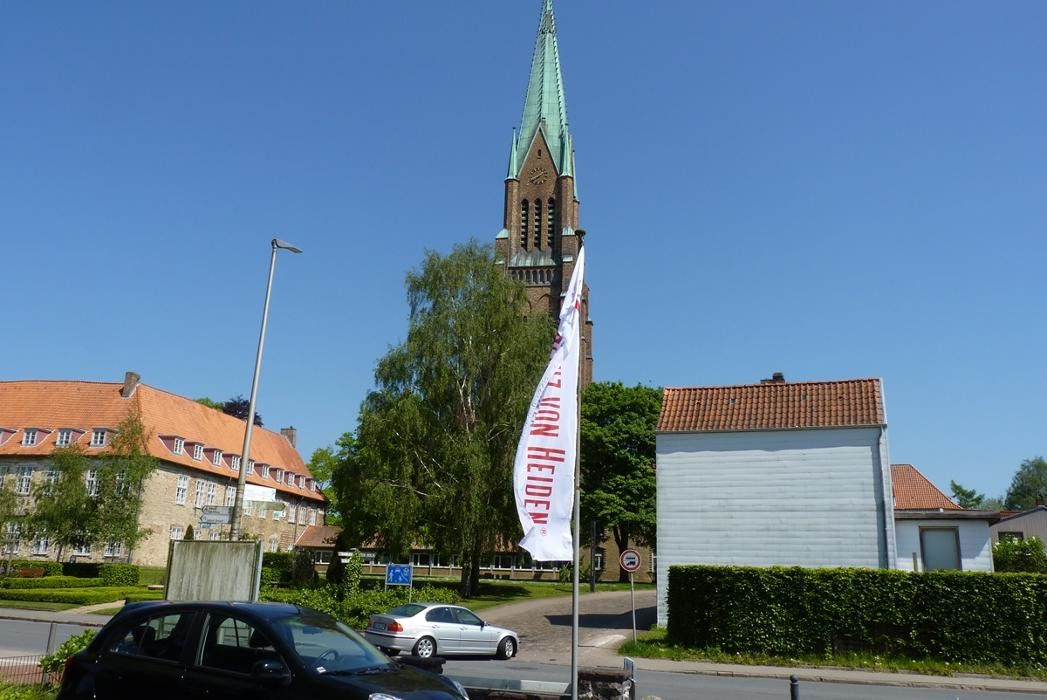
x=514 y=171
x=545 y=107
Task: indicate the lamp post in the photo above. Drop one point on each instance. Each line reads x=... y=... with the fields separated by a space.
x=245 y=456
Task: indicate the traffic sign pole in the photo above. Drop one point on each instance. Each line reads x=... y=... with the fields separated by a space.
x=632 y=603
x=629 y=560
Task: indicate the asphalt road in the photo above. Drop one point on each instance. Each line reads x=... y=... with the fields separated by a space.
x=24 y=638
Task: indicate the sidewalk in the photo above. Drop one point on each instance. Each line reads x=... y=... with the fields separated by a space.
x=75 y=616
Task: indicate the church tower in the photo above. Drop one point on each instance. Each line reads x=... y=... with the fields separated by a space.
x=540 y=237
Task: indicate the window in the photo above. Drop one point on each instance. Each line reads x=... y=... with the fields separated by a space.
x=112 y=550
x=265 y=472
x=301 y=516
x=233 y=645
x=120 y=484
x=250 y=466
x=322 y=556
x=199 y=500
x=161 y=637
x=179 y=446
x=98 y=437
x=234 y=464
x=176 y=532
x=91 y=481
x=525 y=218
x=598 y=561
x=274 y=543
x=537 y=222
x=291 y=512
x=198 y=451
x=248 y=507
x=230 y=495
x=312 y=516
x=217 y=459
x=301 y=481
x=29 y=437
x=940 y=547
x=212 y=494
x=277 y=514
x=290 y=479
x=181 y=490
x=552 y=224
x=214 y=535
x=82 y=550
x=23 y=480
x=40 y=545
x=65 y=438
x=1011 y=536
x=12 y=537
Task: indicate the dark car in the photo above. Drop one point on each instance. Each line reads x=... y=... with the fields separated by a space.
x=165 y=650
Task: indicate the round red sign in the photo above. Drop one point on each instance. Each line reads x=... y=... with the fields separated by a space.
x=630 y=560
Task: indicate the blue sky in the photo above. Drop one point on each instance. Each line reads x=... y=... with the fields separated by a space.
x=827 y=189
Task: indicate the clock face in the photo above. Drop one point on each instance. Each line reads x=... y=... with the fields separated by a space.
x=538 y=175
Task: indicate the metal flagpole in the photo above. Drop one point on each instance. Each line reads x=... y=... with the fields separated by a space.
x=577 y=525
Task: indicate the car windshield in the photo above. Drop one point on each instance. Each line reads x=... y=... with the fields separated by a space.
x=329 y=646
x=409 y=610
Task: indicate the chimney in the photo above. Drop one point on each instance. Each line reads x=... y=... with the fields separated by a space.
x=291 y=434
x=131 y=380
x=776 y=378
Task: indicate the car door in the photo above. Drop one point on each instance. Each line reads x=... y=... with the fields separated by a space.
x=444 y=626
x=145 y=658
x=476 y=637
x=221 y=668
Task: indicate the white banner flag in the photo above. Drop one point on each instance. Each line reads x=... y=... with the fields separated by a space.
x=543 y=475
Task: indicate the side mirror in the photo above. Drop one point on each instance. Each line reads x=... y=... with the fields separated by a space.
x=270 y=672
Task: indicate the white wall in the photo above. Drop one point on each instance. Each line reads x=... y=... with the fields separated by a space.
x=764 y=498
x=975 y=542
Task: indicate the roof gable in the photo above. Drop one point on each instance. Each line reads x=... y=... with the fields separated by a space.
x=772 y=406
x=913 y=491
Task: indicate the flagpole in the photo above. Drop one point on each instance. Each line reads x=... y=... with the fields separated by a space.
x=577 y=525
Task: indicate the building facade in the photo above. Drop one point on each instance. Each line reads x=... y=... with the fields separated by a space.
x=198 y=452
x=540 y=237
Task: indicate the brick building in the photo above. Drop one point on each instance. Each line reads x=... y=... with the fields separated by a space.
x=540 y=237
x=198 y=449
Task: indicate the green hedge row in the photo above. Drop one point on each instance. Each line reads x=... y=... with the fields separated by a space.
x=119 y=574
x=946 y=615
x=52 y=582
x=46 y=567
x=79 y=596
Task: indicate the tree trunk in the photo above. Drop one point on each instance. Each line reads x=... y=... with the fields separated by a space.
x=621 y=538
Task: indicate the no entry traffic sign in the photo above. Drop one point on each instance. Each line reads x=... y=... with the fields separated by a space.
x=630 y=560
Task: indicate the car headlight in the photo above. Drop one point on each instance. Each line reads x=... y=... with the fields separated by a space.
x=382 y=696
x=461 y=688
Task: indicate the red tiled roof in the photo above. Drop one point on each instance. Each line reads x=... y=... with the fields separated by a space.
x=319 y=536
x=772 y=406
x=913 y=491
x=84 y=406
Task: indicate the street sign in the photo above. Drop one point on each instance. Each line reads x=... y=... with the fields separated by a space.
x=398 y=574
x=630 y=560
x=218 y=515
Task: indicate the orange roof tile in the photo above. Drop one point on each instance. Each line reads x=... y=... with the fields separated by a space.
x=913 y=491
x=84 y=406
x=319 y=536
x=772 y=406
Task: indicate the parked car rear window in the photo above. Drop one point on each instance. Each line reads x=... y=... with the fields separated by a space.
x=409 y=610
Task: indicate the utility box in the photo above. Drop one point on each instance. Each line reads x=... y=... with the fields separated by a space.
x=204 y=570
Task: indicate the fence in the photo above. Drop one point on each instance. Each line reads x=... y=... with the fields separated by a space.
x=22 y=669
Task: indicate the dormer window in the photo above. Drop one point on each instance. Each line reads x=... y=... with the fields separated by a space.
x=179 y=446
x=234 y=464
x=250 y=466
x=217 y=459
x=301 y=481
x=29 y=437
x=98 y=437
x=290 y=479
x=65 y=438
x=265 y=471
x=279 y=475
x=198 y=451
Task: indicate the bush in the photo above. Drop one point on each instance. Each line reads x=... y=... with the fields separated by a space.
x=51 y=582
x=22 y=691
x=49 y=568
x=54 y=663
x=303 y=573
x=82 y=569
x=355 y=608
x=119 y=574
x=945 y=615
x=281 y=563
x=270 y=576
x=1020 y=556
x=80 y=596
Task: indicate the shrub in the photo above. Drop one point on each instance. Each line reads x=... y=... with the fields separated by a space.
x=270 y=576
x=22 y=691
x=54 y=663
x=30 y=572
x=51 y=582
x=355 y=608
x=80 y=596
x=303 y=572
x=945 y=615
x=281 y=563
x=81 y=569
x=119 y=574
x=1026 y=556
x=49 y=568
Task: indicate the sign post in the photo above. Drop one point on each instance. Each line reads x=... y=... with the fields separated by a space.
x=629 y=560
x=400 y=575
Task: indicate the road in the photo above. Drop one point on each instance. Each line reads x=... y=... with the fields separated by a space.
x=24 y=638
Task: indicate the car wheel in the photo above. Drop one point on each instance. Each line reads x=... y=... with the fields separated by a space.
x=507 y=648
x=425 y=647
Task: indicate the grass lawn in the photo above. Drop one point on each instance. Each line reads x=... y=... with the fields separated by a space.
x=36 y=605
x=655 y=645
x=151 y=575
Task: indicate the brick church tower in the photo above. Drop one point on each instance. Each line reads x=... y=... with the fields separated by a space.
x=540 y=237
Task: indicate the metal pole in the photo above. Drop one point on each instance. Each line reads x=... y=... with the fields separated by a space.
x=245 y=455
x=577 y=518
x=632 y=603
x=592 y=556
x=794 y=688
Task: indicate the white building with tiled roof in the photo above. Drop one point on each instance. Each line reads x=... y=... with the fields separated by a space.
x=198 y=449
x=775 y=473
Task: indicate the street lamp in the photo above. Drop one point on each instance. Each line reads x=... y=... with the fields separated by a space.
x=245 y=456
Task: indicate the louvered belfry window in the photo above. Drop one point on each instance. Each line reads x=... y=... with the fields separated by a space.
x=525 y=220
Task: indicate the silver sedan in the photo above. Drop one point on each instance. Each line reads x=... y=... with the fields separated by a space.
x=431 y=629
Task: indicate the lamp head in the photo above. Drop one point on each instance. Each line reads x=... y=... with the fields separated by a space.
x=277 y=243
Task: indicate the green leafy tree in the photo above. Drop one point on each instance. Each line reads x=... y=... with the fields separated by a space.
x=966 y=498
x=210 y=403
x=124 y=469
x=431 y=459
x=1028 y=484
x=1020 y=555
x=238 y=407
x=63 y=510
x=618 y=454
x=322 y=465
x=189 y=534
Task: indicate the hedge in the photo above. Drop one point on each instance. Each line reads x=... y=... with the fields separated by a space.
x=79 y=596
x=945 y=615
x=48 y=568
x=51 y=582
x=119 y=574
